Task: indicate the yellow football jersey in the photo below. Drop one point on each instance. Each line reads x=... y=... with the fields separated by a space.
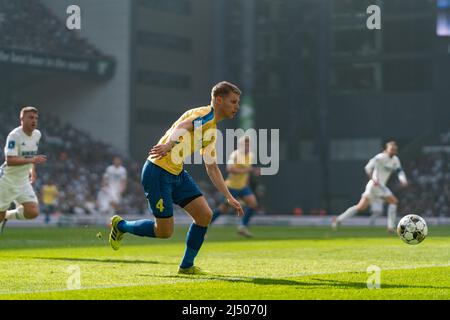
x=203 y=138
x=49 y=194
x=239 y=160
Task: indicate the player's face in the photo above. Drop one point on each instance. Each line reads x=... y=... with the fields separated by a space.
x=392 y=150
x=117 y=162
x=30 y=120
x=230 y=105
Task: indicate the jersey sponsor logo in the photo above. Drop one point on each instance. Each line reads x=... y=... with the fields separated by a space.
x=11 y=144
x=29 y=153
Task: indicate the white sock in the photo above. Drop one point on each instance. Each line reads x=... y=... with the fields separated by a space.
x=374 y=216
x=391 y=216
x=15 y=214
x=347 y=214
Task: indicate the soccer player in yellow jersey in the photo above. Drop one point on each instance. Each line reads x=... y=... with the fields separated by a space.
x=165 y=182
x=49 y=198
x=239 y=168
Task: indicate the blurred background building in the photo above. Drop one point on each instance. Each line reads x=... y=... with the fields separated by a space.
x=336 y=90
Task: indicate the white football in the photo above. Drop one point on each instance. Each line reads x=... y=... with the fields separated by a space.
x=412 y=229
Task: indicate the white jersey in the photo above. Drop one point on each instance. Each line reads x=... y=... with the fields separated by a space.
x=18 y=143
x=382 y=166
x=115 y=176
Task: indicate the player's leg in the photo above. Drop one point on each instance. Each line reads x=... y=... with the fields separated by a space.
x=30 y=210
x=391 y=212
x=160 y=228
x=223 y=207
x=2 y=221
x=377 y=210
x=220 y=210
x=24 y=211
x=7 y=195
x=200 y=212
x=250 y=208
x=157 y=187
x=187 y=195
x=27 y=205
x=362 y=205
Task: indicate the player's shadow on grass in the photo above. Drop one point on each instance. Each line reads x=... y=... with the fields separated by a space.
x=103 y=260
x=318 y=282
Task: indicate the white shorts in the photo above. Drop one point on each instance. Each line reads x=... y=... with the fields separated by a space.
x=10 y=193
x=103 y=201
x=115 y=196
x=376 y=193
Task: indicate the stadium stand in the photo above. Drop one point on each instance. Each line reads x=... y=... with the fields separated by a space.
x=31 y=26
x=429 y=174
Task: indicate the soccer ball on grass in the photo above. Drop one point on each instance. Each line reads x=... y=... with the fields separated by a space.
x=412 y=229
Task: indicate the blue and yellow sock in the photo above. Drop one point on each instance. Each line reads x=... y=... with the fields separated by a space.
x=194 y=241
x=142 y=228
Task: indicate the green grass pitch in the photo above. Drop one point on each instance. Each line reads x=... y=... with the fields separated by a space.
x=279 y=263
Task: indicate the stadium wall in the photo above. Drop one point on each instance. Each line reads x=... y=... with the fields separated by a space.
x=99 y=107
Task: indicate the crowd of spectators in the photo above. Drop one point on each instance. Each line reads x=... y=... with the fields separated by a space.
x=30 y=25
x=76 y=164
x=429 y=176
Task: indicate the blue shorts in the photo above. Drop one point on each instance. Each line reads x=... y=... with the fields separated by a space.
x=240 y=193
x=163 y=189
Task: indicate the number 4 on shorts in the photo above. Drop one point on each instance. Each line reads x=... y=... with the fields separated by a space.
x=160 y=205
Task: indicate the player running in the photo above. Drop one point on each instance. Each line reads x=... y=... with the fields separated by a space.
x=18 y=171
x=166 y=183
x=114 y=184
x=239 y=167
x=379 y=169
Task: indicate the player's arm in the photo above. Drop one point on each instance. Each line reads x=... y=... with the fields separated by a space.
x=159 y=151
x=369 y=168
x=123 y=185
x=33 y=174
x=12 y=153
x=20 y=161
x=401 y=175
x=217 y=179
x=105 y=179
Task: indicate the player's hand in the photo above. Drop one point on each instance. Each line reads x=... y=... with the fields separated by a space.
x=160 y=151
x=39 y=159
x=236 y=205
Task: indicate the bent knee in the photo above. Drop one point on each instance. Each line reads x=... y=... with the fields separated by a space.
x=31 y=214
x=205 y=219
x=207 y=216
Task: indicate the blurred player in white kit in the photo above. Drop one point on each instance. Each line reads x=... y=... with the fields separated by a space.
x=113 y=186
x=379 y=169
x=18 y=172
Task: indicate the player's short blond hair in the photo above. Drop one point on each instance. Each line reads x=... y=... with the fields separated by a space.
x=224 y=88
x=27 y=109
